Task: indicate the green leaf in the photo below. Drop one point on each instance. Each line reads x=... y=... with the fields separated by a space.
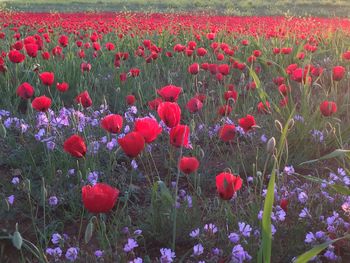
x=308 y=255
x=335 y=154
x=17 y=240
x=266 y=246
x=262 y=94
x=340 y=189
x=88 y=232
x=266 y=220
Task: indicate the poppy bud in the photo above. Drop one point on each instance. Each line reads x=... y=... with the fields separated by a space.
x=270 y=146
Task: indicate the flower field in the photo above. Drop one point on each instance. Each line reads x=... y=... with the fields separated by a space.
x=130 y=137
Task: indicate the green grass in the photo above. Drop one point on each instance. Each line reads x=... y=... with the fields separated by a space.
x=226 y=7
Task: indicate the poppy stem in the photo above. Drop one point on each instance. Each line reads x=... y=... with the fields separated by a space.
x=81 y=223
x=176 y=192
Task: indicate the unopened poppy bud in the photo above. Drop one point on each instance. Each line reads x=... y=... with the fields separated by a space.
x=201 y=153
x=36 y=67
x=271 y=144
x=27 y=185
x=2 y=131
x=278 y=125
x=193 y=125
x=291 y=124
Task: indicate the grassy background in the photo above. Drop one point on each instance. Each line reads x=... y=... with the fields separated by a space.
x=226 y=7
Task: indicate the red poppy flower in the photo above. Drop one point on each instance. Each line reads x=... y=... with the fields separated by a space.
x=202 y=97
x=130 y=99
x=153 y=104
x=276 y=50
x=201 y=52
x=346 y=55
x=99 y=198
x=194 y=105
x=338 y=73
x=56 y=51
x=169 y=113
x=227 y=132
x=16 y=57
x=224 y=110
x=247 y=123
x=110 y=46
x=135 y=72
x=297 y=75
x=317 y=71
x=45 y=55
x=251 y=59
x=279 y=80
x=193 y=69
x=284 y=89
x=47 y=78
x=112 y=123
x=245 y=42
x=75 y=146
x=148 y=128
x=224 y=69
x=169 y=93
x=85 y=67
x=231 y=94
x=63 y=40
x=219 y=76
x=188 y=52
x=284 y=204
x=213 y=68
x=123 y=76
x=191 y=45
x=96 y=46
x=132 y=144
x=264 y=108
x=25 y=91
x=220 y=57
x=286 y=50
x=205 y=66
x=62 y=87
x=283 y=102
x=188 y=165
x=32 y=50
x=210 y=36
x=291 y=68
x=41 y=103
x=84 y=99
x=327 y=108
x=257 y=53
x=179 y=136
x=227 y=184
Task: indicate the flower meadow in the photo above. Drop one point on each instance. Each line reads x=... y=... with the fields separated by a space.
x=129 y=137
